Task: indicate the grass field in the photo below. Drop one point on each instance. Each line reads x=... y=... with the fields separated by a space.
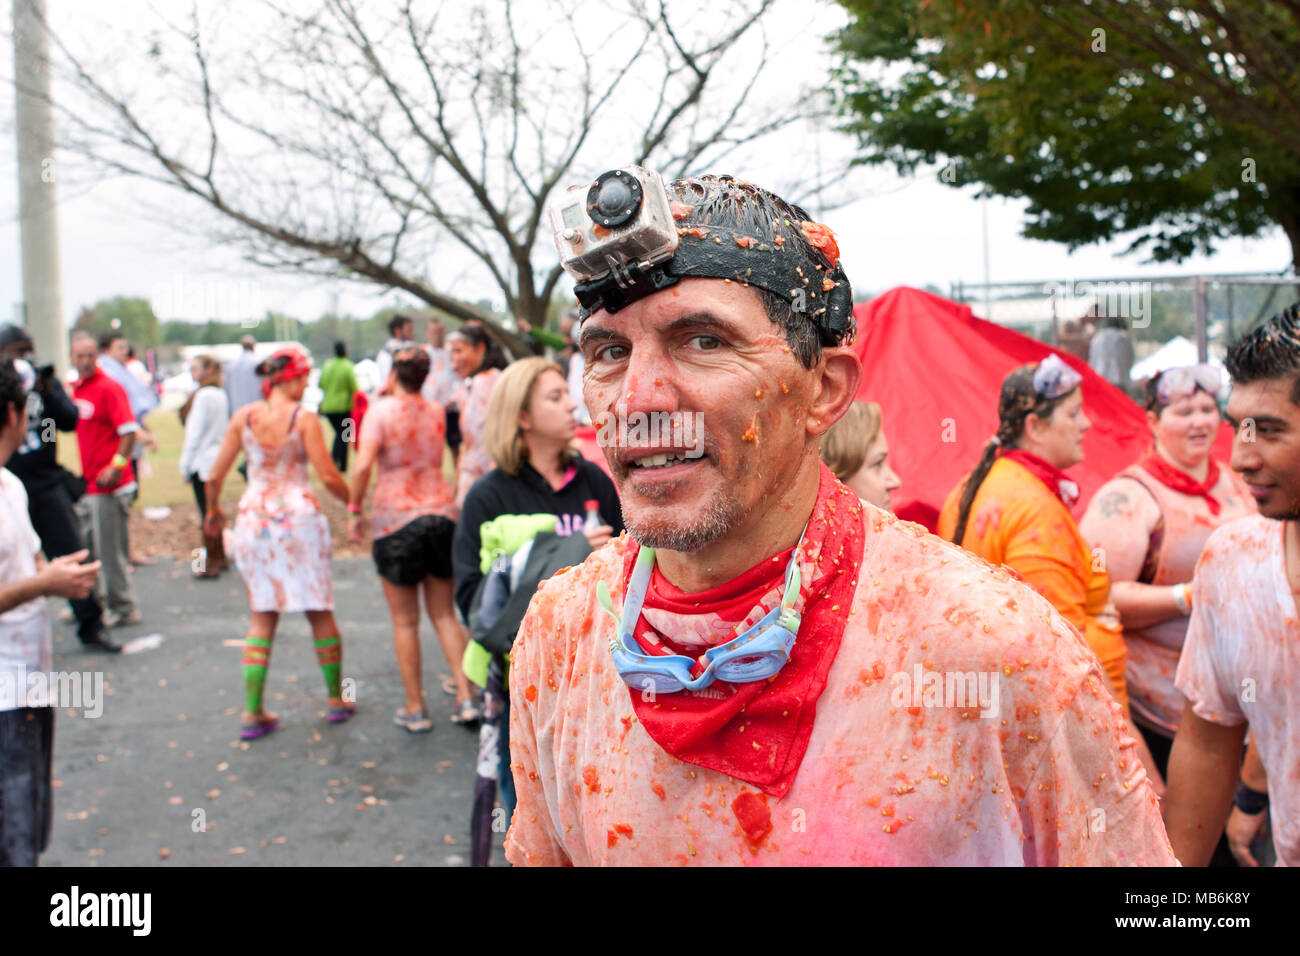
x=162 y=484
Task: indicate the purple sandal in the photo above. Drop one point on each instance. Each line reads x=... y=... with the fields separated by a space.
x=259 y=729
x=337 y=715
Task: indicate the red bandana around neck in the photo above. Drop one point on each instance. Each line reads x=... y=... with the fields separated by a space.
x=758 y=732
x=1061 y=484
x=1177 y=479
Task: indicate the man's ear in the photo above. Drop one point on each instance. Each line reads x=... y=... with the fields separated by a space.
x=840 y=373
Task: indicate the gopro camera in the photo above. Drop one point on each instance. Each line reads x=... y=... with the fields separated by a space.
x=617 y=225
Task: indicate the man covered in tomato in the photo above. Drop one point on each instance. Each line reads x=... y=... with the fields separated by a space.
x=766 y=670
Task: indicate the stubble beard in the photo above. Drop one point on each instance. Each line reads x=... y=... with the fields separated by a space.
x=714 y=518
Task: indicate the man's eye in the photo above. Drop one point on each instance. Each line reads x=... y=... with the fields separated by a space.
x=707 y=342
x=611 y=353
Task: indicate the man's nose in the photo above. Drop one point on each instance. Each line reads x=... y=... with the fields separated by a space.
x=1245 y=452
x=650 y=382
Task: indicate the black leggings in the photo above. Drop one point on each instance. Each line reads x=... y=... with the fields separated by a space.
x=339 y=452
x=200 y=496
x=54 y=518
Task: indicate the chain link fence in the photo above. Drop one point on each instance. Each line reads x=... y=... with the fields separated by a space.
x=1192 y=316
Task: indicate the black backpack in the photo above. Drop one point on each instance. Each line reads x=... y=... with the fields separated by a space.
x=498 y=608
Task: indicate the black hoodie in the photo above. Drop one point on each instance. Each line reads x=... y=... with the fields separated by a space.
x=34 y=461
x=528 y=493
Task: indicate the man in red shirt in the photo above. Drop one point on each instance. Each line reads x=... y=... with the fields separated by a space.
x=106 y=433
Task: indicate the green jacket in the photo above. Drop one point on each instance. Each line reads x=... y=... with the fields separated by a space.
x=339 y=383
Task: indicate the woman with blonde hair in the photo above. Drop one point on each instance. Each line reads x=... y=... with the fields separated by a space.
x=540 y=484
x=856 y=451
x=412 y=523
x=205 y=415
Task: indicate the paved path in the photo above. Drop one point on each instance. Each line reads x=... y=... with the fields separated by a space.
x=134 y=784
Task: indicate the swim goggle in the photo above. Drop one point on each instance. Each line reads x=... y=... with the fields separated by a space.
x=757 y=654
x=1178 y=382
x=1053 y=378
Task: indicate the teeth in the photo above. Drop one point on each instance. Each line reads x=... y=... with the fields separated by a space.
x=659 y=461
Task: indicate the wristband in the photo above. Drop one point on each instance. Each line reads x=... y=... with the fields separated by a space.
x=1249 y=801
x=1183 y=598
x=117 y=461
x=354 y=509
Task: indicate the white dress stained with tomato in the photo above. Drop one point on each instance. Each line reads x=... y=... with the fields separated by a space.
x=281 y=536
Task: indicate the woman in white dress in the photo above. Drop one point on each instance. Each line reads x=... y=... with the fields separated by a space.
x=281 y=540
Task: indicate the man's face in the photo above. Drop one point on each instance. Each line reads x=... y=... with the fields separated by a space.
x=84 y=355
x=437 y=334
x=406 y=331
x=1266 y=446
x=118 y=350
x=702 y=346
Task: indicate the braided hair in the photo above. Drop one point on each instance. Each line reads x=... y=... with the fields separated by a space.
x=1017 y=402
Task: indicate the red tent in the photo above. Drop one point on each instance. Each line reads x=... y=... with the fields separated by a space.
x=936 y=370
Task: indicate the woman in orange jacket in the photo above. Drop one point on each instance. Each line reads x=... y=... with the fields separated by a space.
x=1014 y=509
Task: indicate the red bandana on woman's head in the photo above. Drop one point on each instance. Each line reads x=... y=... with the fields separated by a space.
x=297 y=365
x=758 y=732
x=1181 y=481
x=1061 y=484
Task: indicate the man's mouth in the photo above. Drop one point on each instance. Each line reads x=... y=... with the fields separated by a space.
x=660 y=461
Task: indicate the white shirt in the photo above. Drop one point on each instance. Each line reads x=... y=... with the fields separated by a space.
x=242 y=382
x=384 y=360
x=204 y=429
x=26 y=645
x=442 y=384
x=1241 y=662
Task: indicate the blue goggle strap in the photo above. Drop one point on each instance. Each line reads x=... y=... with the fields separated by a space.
x=763 y=650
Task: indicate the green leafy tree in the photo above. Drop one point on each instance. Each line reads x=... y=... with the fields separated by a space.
x=134 y=317
x=1174 y=124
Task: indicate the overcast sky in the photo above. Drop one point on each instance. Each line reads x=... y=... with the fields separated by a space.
x=900 y=231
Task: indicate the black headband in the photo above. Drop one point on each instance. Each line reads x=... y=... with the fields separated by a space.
x=717 y=252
